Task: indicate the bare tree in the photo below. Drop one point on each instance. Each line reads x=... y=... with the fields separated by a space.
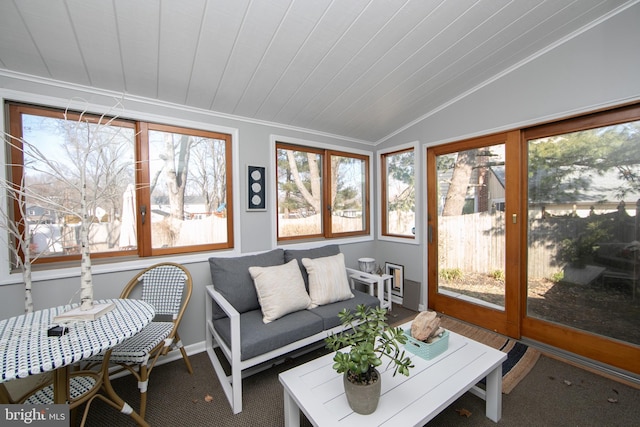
x=19 y=235
x=208 y=171
x=176 y=168
x=309 y=182
x=91 y=171
x=313 y=197
x=456 y=196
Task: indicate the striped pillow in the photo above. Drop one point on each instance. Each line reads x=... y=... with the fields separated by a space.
x=327 y=280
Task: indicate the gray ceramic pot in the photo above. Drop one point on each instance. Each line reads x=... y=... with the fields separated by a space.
x=363 y=399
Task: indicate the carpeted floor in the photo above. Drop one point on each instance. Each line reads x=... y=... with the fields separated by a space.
x=552 y=394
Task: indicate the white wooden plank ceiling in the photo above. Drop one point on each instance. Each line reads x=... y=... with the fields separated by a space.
x=362 y=69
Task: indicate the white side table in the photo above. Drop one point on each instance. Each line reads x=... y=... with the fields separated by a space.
x=375 y=283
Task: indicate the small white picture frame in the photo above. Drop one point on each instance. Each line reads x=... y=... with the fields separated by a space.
x=397 y=282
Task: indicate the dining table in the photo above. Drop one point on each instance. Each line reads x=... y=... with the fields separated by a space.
x=27 y=349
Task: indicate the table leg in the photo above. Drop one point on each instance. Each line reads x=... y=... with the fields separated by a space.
x=387 y=283
x=494 y=394
x=61 y=385
x=380 y=286
x=291 y=411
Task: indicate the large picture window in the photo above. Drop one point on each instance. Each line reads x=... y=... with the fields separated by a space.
x=398 y=216
x=149 y=189
x=584 y=224
x=321 y=193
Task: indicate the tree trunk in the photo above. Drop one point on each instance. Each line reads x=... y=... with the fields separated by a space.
x=176 y=174
x=313 y=198
x=26 y=273
x=456 y=196
x=86 y=281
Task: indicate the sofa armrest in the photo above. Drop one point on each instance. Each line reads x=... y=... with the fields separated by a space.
x=233 y=351
x=231 y=385
x=222 y=302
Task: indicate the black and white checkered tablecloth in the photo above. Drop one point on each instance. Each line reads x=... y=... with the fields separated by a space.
x=25 y=348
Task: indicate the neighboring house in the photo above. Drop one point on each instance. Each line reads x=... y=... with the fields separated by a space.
x=40 y=215
x=495 y=187
x=606 y=192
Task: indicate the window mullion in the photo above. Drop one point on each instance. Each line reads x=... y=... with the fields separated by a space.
x=143 y=197
x=327 y=208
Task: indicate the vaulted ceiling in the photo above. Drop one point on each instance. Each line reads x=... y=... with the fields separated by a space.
x=361 y=69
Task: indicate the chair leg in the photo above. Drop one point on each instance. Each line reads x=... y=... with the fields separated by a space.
x=184 y=354
x=142 y=385
x=5 y=397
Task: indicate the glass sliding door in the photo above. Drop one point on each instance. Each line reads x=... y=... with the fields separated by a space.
x=471 y=225
x=468 y=230
x=583 y=236
x=535 y=233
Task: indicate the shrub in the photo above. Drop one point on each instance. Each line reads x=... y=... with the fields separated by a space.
x=557 y=277
x=498 y=275
x=451 y=273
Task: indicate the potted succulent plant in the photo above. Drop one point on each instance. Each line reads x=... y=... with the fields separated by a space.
x=369 y=338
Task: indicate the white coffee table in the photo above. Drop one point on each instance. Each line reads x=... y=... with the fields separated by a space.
x=316 y=389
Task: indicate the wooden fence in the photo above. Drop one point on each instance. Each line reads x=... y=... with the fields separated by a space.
x=476 y=242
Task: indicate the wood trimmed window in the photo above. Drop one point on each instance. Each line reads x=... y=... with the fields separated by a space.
x=152 y=189
x=321 y=193
x=398 y=193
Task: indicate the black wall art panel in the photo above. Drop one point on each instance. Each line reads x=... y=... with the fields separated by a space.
x=256 y=192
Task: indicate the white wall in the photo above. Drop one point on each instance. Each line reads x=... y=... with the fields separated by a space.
x=598 y=68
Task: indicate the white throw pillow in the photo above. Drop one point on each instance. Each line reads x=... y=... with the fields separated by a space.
x=328 y=280
x=280 y=290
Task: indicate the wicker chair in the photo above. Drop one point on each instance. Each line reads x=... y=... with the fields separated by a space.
x=167 y=287
x=83 y=386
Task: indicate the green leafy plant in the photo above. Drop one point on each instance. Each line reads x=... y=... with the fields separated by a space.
x=498 y=275
x=557 y=276
x=369 y=337
x=451 y=273
x=579 y=250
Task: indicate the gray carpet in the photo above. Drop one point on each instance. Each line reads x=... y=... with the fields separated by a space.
x=176 y=398
x=543 y=398
x=552 y=394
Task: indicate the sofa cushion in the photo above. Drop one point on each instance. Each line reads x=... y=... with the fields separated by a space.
x=230 y=277
x=329 y=312
x=312 y=253
x=280 y=290
x=328 y=280
x=258 y=338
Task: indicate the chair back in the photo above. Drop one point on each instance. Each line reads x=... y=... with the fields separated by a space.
x=165 y=286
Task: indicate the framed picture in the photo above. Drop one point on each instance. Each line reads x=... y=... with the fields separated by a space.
x=397 y=282
x=256 y=192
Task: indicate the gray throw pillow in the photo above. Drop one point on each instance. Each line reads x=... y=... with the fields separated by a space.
x=230 y=277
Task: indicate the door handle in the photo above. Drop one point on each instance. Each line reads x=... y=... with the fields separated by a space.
x=143 y=212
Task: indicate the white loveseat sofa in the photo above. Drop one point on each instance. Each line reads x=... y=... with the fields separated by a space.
x=238 y=337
